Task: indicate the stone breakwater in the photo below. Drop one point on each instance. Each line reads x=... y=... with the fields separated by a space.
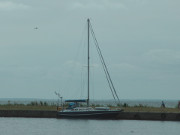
x=122 y=116
x=28 y=113
x=149 y=116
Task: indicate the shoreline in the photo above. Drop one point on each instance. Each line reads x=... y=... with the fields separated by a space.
x=157 y=116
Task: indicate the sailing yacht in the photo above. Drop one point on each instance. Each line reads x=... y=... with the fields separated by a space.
x=74 y=110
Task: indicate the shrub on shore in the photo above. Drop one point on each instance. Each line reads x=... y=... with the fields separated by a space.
x=35 y=103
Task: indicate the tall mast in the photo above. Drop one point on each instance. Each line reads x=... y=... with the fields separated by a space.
x=88 y=21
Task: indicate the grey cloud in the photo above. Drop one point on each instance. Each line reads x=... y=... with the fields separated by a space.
x=11 y=5
x=164 y=55
x=139 y=40
x=97 y=5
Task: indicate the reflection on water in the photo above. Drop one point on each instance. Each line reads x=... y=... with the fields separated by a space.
x=36 y=126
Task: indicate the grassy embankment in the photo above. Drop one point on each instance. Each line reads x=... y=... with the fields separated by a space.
x=31 y=106
x=151 y=109
x=44 y=106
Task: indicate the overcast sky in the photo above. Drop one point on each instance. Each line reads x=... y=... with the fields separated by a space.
x=140 y=41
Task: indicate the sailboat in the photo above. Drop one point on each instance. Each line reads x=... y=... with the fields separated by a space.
x=74 y=110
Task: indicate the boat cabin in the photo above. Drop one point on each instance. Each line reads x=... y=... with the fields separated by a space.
x=75 y=103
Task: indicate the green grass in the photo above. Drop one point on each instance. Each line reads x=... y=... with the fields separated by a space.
x=151 y=109
x=53 y=108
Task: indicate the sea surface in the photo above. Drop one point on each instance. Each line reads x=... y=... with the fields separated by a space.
x=150 y=103
x=41 y=126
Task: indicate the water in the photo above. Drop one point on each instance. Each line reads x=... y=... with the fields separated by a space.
x=36 y=126
x=151 y=103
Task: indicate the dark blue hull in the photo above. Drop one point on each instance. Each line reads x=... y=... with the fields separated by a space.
x=89 y=114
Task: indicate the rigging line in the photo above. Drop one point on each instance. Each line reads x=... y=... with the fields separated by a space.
x=92 y=77
x=104 y=62
x=106 y=76
x=103 y=65
x=110 y=86
x=108 y=73
x=104 y=70
x=72 y=71
x=82 y=82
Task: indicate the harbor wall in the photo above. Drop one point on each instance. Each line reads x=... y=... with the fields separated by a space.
x=149 y=116
x=28 y=113
x=123 y=115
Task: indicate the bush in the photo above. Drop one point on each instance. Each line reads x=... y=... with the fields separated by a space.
x=119 y=105
x=33 y=103
x=109 y=105
x=45 y=104
x=140 y=105
x=125 y=105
